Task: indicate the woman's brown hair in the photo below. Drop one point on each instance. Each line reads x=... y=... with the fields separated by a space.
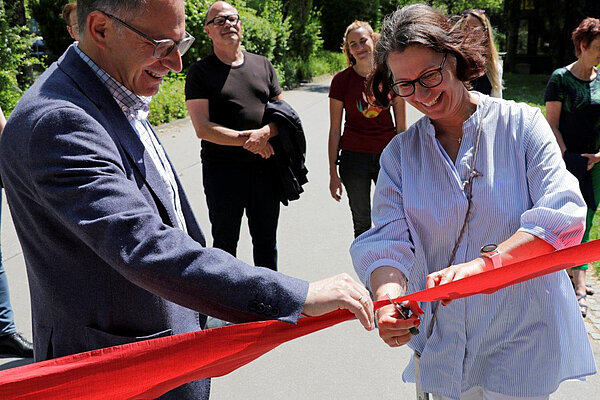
x=421 y=25
x=585 y=33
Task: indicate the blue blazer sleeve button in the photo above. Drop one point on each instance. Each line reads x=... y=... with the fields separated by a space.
x=252 y=305
x=260 y=308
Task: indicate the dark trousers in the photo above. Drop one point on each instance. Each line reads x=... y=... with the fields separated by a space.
x=357 y=171
x=230 y=190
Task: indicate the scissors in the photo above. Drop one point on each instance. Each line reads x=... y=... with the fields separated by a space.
x=404 y=313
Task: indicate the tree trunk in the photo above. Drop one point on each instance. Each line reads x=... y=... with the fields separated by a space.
x=512 y=12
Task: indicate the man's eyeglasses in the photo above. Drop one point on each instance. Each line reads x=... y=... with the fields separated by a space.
x=220 y=20
x=429 y=79
x=163 y=47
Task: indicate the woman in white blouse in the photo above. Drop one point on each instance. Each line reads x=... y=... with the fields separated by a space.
x=475 y=172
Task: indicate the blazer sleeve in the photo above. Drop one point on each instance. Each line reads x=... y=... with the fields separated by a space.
x=78 y=173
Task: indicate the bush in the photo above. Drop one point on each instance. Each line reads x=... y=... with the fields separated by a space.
x=169 y=103
x=16 y=65
x=327 y=62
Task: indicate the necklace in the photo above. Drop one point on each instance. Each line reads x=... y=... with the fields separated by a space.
x=458 y=139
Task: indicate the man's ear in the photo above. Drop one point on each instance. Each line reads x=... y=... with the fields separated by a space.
x=99 y=28
x=206 y=29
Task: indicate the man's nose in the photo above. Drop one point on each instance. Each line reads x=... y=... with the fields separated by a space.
x=173 y=60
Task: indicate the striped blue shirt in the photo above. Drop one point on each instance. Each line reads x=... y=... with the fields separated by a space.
x=136 y=109
x=522 y=340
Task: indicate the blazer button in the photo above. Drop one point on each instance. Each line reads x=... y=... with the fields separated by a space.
x=252 y=305
x=275 y=312
x=260 y=308
x=268 y=310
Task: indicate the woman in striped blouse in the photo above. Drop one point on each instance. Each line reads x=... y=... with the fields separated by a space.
x=474 y=171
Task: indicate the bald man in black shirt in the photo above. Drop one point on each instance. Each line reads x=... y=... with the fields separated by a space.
x=226 y=94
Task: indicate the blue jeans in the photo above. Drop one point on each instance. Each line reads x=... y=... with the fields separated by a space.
x=230 y=190
x=7 y=323
x=357 y=171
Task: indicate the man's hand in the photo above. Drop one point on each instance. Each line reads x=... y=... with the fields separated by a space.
x=340 y=292
x=257 y=142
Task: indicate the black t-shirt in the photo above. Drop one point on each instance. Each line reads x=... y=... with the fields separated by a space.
x=236 y=98
x=482 y=84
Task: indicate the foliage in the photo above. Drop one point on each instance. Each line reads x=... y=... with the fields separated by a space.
x=258 y=37
x=169 y=103
x=14 y=60
x=327 y=62
x=526 y=88
x=337 y=15
x=48 y=14
x=195 y=12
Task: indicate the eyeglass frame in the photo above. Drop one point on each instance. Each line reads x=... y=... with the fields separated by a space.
x=212 y=21
x=472 y=11
x=418 y=80
x=155 y=42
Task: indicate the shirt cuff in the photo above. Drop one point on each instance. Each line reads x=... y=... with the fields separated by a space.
x=543 y=234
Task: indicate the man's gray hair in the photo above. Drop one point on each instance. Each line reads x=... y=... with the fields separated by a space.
x=123 y=8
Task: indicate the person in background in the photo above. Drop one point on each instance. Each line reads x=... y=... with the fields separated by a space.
x=11 y=341
x=226 y=94
x=69 y=14
x=367 y=128
x=573 y=112
x=113 y=251
x=476 y=183
x=489 y=83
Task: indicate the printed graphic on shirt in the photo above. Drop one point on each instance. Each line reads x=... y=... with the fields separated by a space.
x=366 y=109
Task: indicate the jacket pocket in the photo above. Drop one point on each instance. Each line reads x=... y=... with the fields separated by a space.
x=97 y=339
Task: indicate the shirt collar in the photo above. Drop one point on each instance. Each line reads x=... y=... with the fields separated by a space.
x=130 y=103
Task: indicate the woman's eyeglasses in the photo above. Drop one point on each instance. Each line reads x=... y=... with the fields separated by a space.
x=429 y=79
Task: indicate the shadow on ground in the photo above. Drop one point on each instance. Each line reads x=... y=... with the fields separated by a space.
x=18 y=362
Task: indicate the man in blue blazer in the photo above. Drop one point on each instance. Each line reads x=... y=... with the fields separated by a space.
x=113 y=251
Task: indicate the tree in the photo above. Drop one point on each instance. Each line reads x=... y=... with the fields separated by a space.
x=48 y=14
x=15 y=61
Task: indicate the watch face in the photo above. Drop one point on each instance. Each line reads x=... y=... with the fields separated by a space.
x=488 y=248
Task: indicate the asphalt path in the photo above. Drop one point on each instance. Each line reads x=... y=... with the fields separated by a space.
x=315 y=232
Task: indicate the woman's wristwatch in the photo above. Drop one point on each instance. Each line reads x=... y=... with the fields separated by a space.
x=492 y=252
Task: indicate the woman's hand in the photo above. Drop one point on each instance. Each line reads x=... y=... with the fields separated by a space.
x=454 y=273
x=393 y=329
x=335 y=186
x=592 y=159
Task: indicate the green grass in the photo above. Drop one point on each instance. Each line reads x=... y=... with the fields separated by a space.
x=525 y=88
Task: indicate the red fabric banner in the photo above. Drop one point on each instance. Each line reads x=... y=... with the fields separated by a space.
x=145 y=370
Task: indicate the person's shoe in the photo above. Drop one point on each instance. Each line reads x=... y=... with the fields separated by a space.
x=581 y=300
x=15 y=344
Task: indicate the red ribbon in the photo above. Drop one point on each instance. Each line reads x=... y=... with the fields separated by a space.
x=145 y=370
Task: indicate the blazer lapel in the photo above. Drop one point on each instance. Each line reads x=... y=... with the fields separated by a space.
x=118 y=125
